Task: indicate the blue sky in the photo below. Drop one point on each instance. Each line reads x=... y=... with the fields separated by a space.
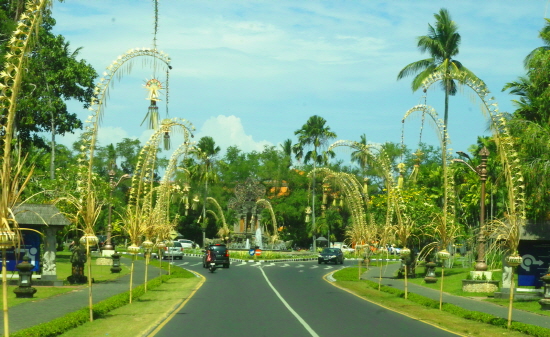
x=250 y=73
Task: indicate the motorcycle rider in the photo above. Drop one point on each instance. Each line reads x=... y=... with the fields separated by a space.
x=210 y=257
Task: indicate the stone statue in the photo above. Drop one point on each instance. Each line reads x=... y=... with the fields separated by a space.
x=78 y=259
x=48 y=265
x=506 y=273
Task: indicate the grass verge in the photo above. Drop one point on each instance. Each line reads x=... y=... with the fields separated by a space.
x=147 y=310
x=452 y=318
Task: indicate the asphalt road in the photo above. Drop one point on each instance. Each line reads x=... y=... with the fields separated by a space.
x=282 y=299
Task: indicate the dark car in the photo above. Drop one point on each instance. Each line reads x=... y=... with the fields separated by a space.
x=222 y=255
x=331 y=255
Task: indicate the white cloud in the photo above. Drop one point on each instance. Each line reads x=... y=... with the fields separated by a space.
x=229 y=131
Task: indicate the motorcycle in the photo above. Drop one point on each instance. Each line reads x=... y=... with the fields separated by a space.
x=212 y=267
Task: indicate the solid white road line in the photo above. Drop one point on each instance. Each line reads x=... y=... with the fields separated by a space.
x=300 y=319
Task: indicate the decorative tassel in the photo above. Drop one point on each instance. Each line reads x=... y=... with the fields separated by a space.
x=167 y=140
x=400 y=181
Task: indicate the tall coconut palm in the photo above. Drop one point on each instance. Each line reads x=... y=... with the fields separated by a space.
x=441 y=44
x=360 y=157
x=315 y=133
x=544 y=34
x=286 y=148
x=205 y=153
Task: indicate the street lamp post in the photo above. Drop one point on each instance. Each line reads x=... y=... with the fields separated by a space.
x=481 y=171
x=113 y=185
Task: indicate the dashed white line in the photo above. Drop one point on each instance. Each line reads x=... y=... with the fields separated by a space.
x=304 y=324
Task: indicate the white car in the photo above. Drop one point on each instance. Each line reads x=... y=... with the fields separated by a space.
x=173 y=250
x=187 y=244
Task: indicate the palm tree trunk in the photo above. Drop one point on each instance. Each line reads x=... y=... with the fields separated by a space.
x=313 y=208
x=52 y=157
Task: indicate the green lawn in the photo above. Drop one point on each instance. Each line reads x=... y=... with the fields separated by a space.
x=63 y=264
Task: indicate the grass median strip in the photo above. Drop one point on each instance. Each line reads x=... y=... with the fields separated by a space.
x=143 y=314
x=147 y=310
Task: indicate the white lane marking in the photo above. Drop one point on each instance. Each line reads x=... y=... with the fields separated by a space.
x=300 y=266
x=313 y=267
x=285 y=265
x=183 y=264
x=301 y=271
x=306 y=326
x=328 y=267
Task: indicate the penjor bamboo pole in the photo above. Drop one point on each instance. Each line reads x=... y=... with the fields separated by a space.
x=511 y=300
x=5 y=293
x=90 y=298
x=441 y=286
x=132 y=276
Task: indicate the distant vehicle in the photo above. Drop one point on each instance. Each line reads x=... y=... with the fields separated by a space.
x=187 y=244
x=331 y=255
x=222 y=255
x=173 y=250
x=342 y=246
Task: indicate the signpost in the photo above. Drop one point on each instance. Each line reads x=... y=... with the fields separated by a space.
x=536 y=258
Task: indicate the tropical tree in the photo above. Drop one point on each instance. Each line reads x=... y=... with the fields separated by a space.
x=53 y=74
x=441 y=44
x=286 y=147
x=544 y=34
x=530 y=125
x=315 y=133
x=205 y=152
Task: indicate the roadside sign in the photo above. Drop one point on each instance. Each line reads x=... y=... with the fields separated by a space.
x=536 y=259
x=173 y=235
x=251 y=252
x=258 y=252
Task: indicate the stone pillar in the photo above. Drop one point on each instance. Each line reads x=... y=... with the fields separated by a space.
x=49 y=268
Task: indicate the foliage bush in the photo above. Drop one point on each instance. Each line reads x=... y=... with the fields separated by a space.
x=350 y=274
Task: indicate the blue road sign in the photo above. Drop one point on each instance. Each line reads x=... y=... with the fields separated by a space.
x=251 y=251
x=29 y=246
x=536 y=260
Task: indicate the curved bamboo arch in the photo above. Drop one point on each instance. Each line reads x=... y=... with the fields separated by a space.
x=165 y=191
x=430 y=111
x=503 y=139
x=384 y=163
x=443 y=136
x=351 y=188
x=267 y=204
x=218 y=208
x=119 y=67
